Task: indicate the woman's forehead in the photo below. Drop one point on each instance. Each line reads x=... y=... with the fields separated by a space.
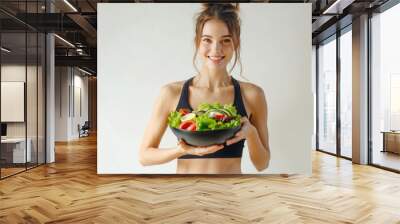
x=215 y=28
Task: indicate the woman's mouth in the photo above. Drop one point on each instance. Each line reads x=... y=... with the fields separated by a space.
x=216 y=59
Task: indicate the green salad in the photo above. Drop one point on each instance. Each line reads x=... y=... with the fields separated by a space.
x=206 y=117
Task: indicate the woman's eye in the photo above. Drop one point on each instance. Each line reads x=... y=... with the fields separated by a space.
x=207 y=40
x=226 y=41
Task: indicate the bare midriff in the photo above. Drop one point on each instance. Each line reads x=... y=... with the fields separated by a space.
x=209 y=166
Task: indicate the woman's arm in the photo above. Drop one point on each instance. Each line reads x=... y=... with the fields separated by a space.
x=258 y=140
x=256 y=130
x=149 y=153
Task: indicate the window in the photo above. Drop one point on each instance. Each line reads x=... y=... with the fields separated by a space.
x=346 y=93
x=327 y=96
x=385 y=88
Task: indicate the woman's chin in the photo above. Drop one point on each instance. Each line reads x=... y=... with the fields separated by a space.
x=216 y=67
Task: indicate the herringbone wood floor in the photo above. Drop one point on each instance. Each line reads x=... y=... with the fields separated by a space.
x=70 y=191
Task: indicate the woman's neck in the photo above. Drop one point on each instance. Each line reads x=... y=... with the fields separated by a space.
x=212 y=79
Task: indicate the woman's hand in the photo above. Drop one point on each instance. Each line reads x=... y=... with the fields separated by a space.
x=198 y=151
x=243 y=133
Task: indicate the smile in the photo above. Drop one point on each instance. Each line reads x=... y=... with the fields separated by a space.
x=216 y=59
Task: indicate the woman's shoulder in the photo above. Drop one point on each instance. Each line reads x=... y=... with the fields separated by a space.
x=251 y=90
x=253 y=96
x=172 y=89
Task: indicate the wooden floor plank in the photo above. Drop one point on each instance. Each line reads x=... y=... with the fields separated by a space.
x=70 y=191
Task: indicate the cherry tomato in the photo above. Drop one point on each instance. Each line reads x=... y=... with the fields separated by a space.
x=188 y=125
x=184 y=111
x=220 y=117
x=192 y=127
x=185 y=124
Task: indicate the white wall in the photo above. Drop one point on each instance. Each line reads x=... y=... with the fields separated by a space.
x=138 y=56
x=68 y=81
x=61 y=103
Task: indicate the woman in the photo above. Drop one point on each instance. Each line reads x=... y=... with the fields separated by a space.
x=217 y=39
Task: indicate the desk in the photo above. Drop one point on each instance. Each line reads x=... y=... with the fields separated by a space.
x=391 y=141
x=13 y=150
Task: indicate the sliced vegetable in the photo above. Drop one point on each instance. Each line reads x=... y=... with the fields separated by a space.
x=188 y=125
x=189 y=116
x=184 y=111
x=192 y=127
x=220 y=117
x=227 y=112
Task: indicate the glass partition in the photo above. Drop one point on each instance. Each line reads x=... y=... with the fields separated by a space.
x=32 y=95
x=13 y=109
x=327 y=96
x=346 y=93
x=41 y=111
x=22 y=63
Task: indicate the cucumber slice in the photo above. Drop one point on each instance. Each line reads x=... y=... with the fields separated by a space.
x=187 y=117
x=222 y=111
x=211 y=112
x=227 y=112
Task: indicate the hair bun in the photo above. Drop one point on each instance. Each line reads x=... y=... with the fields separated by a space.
x=226 y=6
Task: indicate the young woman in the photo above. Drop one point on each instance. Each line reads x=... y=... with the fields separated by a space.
x=217 y=40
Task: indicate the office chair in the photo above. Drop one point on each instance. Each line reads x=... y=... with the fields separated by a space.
x=84 y=130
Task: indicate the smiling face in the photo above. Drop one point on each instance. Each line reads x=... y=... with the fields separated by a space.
x=216 y=45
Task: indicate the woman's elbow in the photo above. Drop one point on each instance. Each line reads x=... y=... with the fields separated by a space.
x=143 y=162
x=142 y=158
x=265 y=164
x=263 y=167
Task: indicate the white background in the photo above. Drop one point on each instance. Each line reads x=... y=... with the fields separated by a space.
x=142 y=47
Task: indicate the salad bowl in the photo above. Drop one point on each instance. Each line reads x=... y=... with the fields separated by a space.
x=209 y=124
x=205 y=138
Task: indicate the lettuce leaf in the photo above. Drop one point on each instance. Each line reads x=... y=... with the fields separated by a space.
x=231 y=109
x=203 y=122
x=174 y=119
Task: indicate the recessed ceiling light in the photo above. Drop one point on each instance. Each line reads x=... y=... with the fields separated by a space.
x=70 y=5
x=64 y=40
x=338 y=6
x=5 y=50
x=332 y=7
x=84 y=71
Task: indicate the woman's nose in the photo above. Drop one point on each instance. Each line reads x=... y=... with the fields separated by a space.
x=216 y=47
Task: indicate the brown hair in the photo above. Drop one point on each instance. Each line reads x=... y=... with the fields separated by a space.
x=227 y=13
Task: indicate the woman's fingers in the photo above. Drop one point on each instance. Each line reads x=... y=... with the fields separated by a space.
x=239 y=133
x=182 y=142
x=201 y=151
x=238 y=136
x=233 y=140
x=211 y=149
x=244 y=120
x=215 y=147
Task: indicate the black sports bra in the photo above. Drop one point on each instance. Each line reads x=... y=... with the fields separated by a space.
x=229 y=151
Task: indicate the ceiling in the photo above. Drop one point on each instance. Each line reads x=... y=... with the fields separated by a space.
x=76 y=22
